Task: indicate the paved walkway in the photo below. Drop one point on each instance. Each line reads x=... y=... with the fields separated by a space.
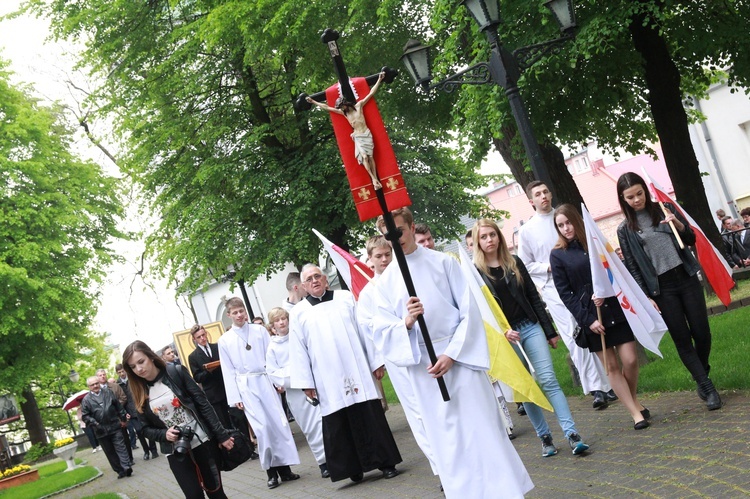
x=687 y=452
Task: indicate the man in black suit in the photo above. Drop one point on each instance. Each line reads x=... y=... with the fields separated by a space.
x=210 y=378
x=212 y=382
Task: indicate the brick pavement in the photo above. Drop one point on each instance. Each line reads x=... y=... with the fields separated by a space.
x=687 y=452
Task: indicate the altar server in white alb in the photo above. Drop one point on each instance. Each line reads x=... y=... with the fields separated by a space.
x=328 y=358
x=242 y=351
x=307 y=415
x=474 y=457
x=380 y=255
x=536 y=238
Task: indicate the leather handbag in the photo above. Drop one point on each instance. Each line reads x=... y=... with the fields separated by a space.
x=241 y=451
x=579 y=336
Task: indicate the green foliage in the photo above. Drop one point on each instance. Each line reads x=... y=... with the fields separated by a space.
x=37 y=451
x=201 y=92
x=51 y=484
x=54 y=467
x=58 y=215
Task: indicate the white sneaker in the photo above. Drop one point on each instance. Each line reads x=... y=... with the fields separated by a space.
x=94 y=450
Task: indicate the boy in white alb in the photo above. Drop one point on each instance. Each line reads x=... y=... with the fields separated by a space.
x=242 y=351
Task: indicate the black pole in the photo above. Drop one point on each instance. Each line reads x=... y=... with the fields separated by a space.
x=505 y=72
x=329 y=38
x=62 y=395
x=246 y=299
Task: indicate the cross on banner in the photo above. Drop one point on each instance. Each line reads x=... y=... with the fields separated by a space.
x=393 y=194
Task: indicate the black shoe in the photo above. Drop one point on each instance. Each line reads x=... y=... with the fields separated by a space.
x=511 y=435
x=134 y=447
x=713 y=401
x=154 y=454
x=146 y=456
x=254 y=455
x=273 y=483
x=131 y=463
x=599 y=400
x=129 y=472
x=610 y=396
x=390 y=472
x=121 y=475
x=289 y=477
x=357 y=478
x=521 y=411
x=641 y=425
x=701 y=394
x=324 y=471
x=646 y=413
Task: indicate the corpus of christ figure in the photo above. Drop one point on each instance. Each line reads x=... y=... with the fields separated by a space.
x=361 y=135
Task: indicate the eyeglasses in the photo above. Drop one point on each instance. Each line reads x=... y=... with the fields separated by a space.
x=92 y=385
x=314 y=277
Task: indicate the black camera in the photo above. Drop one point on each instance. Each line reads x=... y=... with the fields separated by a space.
x=185 y=435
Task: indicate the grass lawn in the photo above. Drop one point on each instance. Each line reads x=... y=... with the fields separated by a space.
x=51 y=479
x=106 y=495
x=742 y=290
x=730 y=345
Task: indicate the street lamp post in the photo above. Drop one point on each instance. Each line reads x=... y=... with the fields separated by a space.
x=73 y=376
x=504 y=68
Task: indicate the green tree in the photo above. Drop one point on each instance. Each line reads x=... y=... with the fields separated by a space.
x=623 y=81
x=58 y=214
x=202 y=92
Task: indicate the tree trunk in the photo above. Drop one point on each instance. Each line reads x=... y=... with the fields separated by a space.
x=33 y=418
x=671 y=122
x=563 y=188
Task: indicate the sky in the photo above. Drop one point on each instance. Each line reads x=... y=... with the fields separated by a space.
x=130 y=308
x=147 y=312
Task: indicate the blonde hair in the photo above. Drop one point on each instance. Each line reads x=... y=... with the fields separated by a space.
x=503 y=253
x=277 y=313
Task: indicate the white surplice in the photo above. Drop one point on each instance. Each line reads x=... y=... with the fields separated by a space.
x=308 y=417
x=328 y=353
x=473 y=454
x=366 y=308
x=246 y=381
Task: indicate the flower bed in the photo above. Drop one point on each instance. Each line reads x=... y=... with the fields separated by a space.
x=18 y=478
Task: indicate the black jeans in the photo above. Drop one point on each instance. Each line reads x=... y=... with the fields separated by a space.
x=184 y=470
x=683 y=308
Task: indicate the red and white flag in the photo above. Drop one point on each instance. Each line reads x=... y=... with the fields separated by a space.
x=610 y=278
x=356 y=274
x=715 y=267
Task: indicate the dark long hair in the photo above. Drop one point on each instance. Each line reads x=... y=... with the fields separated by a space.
x=626 y=181
x=137 y=384
x=576 y=220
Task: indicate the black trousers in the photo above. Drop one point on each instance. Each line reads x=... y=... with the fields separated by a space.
x=148 y=445
x=187 y=476
x=358 y=439
x=683 y=308
x=114 y=446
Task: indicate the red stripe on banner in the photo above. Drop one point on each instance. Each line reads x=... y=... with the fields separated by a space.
x=360 y=273
x=713 y=268
x=360 y=183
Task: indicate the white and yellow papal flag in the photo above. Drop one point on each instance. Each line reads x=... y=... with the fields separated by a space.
x=505 y=366
x=610 y=278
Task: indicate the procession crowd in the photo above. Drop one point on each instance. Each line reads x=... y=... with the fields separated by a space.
x=319 y=359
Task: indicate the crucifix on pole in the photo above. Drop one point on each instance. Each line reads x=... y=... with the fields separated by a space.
x=383 y=189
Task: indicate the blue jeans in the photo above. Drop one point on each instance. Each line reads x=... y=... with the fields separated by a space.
x=535 y=344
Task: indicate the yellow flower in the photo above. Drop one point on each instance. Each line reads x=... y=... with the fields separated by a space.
x=16 y=470
x=62 y=442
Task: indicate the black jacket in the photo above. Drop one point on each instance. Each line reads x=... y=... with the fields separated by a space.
x=192 y=399
x=527 y=297
x=103 y=413
x=571 y=273
x=639 y=264
x=212 y=382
